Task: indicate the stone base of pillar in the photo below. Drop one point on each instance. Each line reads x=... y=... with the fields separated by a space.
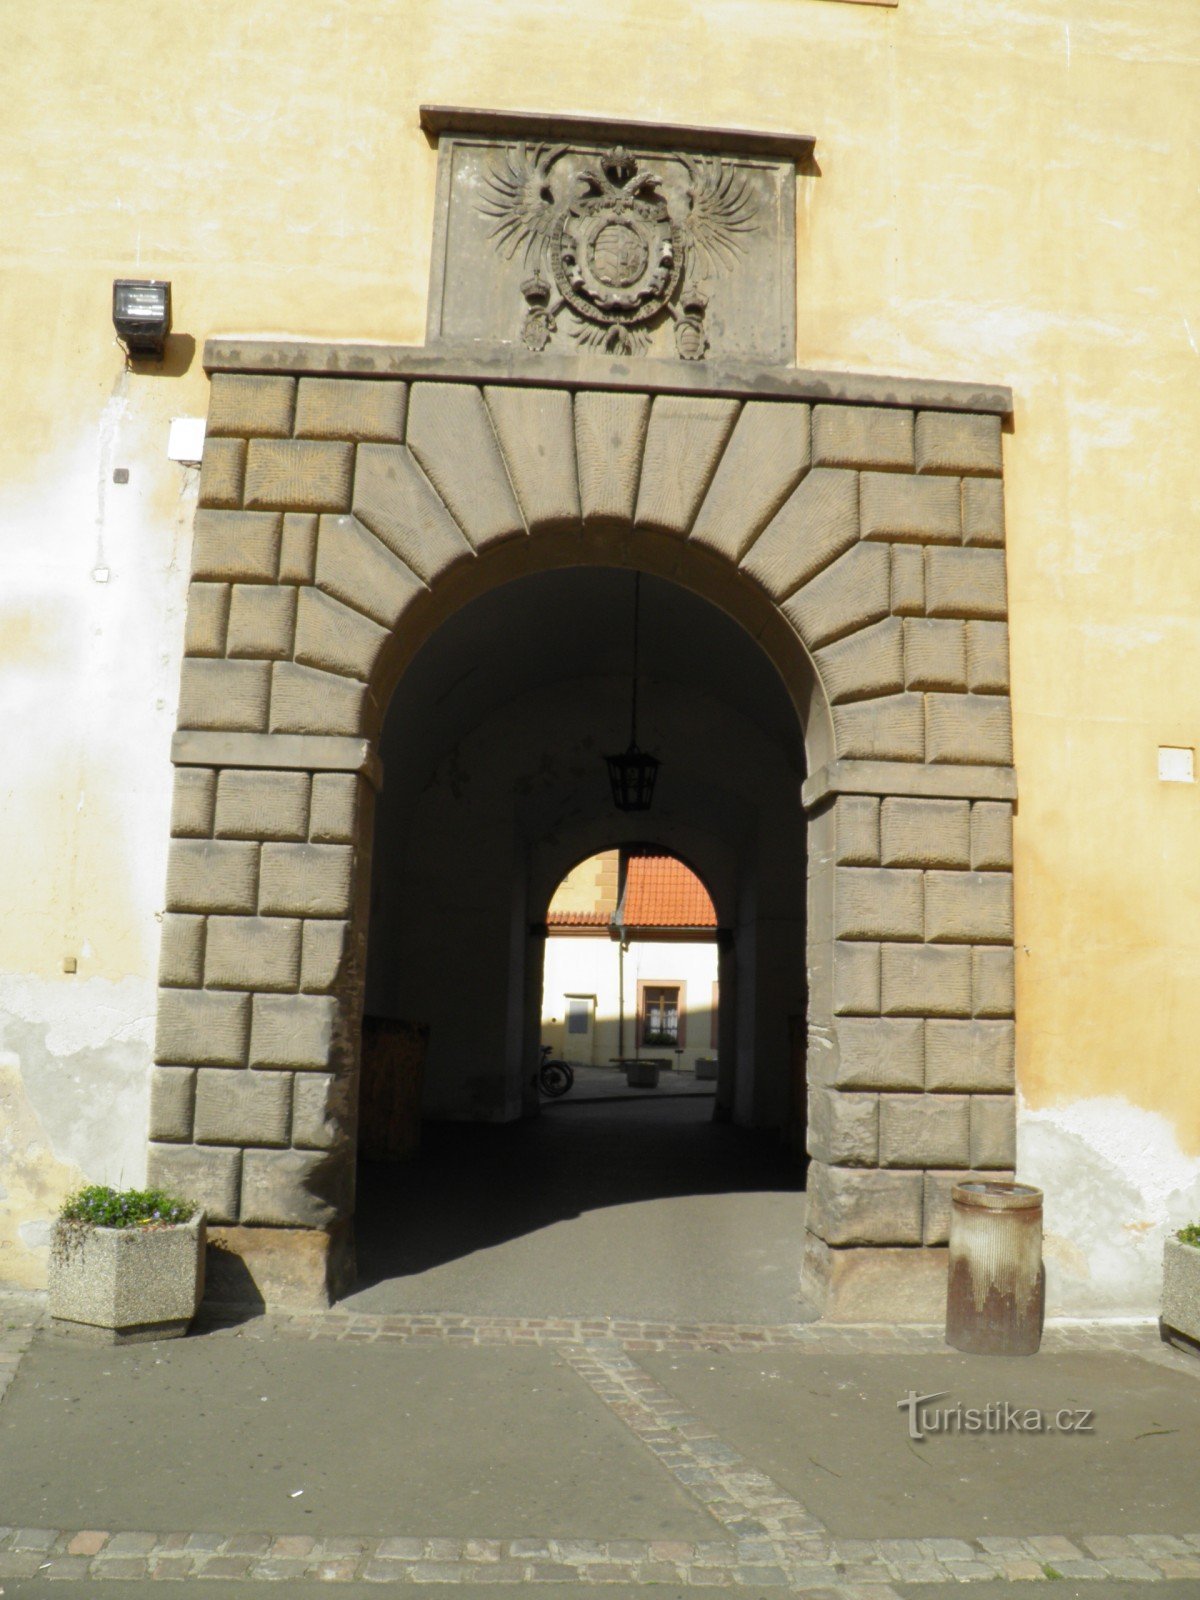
x=868 y=1283
x=279 y=1269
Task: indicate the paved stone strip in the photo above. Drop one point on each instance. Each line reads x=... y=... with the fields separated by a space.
x=750 y=1506
x=639 y=1336
x=854 y=1568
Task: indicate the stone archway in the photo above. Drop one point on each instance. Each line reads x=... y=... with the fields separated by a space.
x=860 y=539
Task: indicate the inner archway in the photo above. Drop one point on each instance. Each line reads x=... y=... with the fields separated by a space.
x=494 y=747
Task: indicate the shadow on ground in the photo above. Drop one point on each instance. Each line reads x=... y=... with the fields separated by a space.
x=612 y=1208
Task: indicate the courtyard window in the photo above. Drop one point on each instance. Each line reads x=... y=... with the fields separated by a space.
x=661 y=1018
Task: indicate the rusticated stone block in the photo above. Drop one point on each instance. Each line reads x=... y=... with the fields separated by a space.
x=908 y=580
x=222 y=473
x=875 y=903
x=938 y=1188
x=925 y=833
x=252 y=953
x=298 y=552
x=924 y=1130
x=336 y=638
x=816 y=524
x=367 y=410
x=207 y=1176
x=610 y=435
x=862 y=436
x=968 y=907
x=880 y=1053
x=306 y=700
x=891 y=728
x=296 y=1188
x=684 y=442
x=193 y=802
x=247 y=404
x=969 y=1057
x=224 y=694
x=983 y=511
x=856 y=979
x=353 y=566
x=993 y=988
x=916 y=510
x=991 y=836
x=262 y=805
x=968 y=728
x=964 y=583
x=325 y=954
x=306 y=880
x=987 y=657
x=848 y=1205
x=450 y=433
x=935 y=654
x=958 y=442
x=211 y=875
x=536 y=430
x=993 y=1131
x=196 y=1027
x=172 y=1096
x=292 y=1030
x=228 y=545
x=857 y=830
x=299 y=475
x=843 y=1129
x=925 y=980
x=394 y=499
x=317 y=1110
x=854 y=591
x=763 y=462
x=865 y=664
x=181 y=954
x=262 y=621
x=334 y=808
x=245 y=1108
x=207 y=619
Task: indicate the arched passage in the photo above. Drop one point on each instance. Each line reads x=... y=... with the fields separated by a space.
x=346 y=519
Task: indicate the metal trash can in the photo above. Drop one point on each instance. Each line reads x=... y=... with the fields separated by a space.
x=996 y=1295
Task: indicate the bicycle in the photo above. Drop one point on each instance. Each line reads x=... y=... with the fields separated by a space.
x=554 y=1077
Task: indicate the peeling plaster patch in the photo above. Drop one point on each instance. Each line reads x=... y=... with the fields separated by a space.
x=35 y=1235
x=84 y=1053
x=1116 y=1183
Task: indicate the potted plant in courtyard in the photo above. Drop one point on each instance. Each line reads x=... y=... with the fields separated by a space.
x=1181 y=1285
x=126 y=1264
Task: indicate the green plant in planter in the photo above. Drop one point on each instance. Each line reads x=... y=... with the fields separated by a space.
x=101 y=1207
x=126 y=1263
x=1190 y=1234
x=659 y=1040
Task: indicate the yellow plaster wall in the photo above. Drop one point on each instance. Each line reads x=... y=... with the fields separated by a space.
x=1006 y=192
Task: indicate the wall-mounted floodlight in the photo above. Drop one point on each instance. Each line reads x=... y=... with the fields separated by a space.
x=142 y=316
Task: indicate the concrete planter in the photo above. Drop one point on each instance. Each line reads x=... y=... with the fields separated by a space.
x=120 y=1285
x=1181 y=1290
x=706 y=1069
x=642 y=1074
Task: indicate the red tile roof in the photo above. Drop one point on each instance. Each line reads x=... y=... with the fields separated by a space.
x=577 y=919
x=660 y=892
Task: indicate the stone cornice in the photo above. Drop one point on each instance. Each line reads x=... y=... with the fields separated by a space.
x=450 y=363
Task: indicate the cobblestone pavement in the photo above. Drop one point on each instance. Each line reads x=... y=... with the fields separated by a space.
x=762 y=1537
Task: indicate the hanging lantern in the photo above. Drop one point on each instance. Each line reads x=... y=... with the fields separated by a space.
x=633 y=773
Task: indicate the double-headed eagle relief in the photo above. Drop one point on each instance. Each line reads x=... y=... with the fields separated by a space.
x=623 y=249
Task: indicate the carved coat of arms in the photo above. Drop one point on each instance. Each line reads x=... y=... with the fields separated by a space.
x=620 y=253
